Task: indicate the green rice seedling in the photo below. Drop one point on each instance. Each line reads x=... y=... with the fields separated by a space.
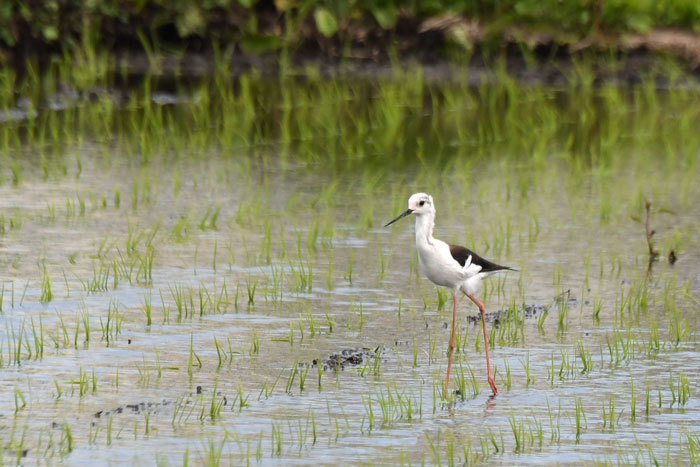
x=518 y=429
x=66 y=442
x=319 y=371
x=693 y=449
x=46 y=293
x=191 y=358
x=646 y=401
x=369 y=412
x=85 y=319
x=144 y=372
x=442 y=298
x=562 y=315
x=178 y=294
x=213 y=451
x=585 y=356
x=473 y=382
x=16 y=173
x=220 y=353
x=568 y=366
x=555 y=428
x=164 y=307
x=59 y=390
x=348 y=272
x=450 y=451
x=609 y=419
x=541 y=319
x=81 y=204
x=147 y=421
x=313 y=326
x=329 y=274
x=556 y=280
x=181 y=230
x=302 y=377
x=70 y=209
x=329 y=322
x=159 y=368
x=177 y=415
x=215 y=405
x=292 y=376
x=507 y=379
x=51 y=213
x=82 y=383
x=529 y=379
x=581 y=422
x=355 y=318
x=301 y=331
x=684 y=389
x=678 y=329
x=597 y=306
x=276 y=441
x=2 y=295
x=312 y=235
x=251 y=291
x=381 y=264
x=144 y=272
x=38 y=339
x=20 y=401
x=633 y=402
x=376 y=364
x=24 y=293
x=255 y=344
x=210 y=218
x=147 y=309
x=100 y=278
x=112 y=326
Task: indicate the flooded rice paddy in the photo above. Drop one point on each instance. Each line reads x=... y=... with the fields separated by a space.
x=198 y=273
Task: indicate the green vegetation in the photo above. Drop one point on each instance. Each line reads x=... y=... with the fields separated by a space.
x=254 y=27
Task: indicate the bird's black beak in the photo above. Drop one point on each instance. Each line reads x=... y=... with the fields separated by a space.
x=403 y=214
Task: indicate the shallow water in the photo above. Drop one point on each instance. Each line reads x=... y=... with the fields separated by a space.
x=129 y=392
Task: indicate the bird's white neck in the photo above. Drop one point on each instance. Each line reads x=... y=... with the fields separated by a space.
x=424 y=228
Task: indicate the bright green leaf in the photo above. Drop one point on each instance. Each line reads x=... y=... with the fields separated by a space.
x=256 y=44
x=325 y=22
x=385 y=15
x=50 y=33
x=190 y=21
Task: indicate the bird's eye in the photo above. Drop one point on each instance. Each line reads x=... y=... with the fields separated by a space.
x=421 y=203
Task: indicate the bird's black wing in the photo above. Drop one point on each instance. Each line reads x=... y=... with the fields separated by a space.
x=461 y=254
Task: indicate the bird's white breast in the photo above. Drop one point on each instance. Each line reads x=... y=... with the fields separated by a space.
x=438 y=265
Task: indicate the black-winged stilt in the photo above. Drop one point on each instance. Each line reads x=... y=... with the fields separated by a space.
x=450 y=266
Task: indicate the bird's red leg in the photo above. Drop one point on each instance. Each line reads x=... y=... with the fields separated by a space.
x=492 y=383
x=452 y=344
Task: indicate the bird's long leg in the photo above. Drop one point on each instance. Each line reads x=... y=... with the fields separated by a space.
x=452 y=344
x=492 y=383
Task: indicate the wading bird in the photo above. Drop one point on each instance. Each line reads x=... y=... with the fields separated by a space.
x=450 y=266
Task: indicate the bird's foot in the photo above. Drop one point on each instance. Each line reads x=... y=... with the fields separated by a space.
x=492 y=383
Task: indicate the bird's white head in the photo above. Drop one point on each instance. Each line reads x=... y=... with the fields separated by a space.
x=419 y=204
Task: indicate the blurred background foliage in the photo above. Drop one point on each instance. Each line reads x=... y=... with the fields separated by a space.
x=258 y=26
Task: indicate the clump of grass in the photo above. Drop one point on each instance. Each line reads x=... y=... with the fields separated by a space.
x=46 y=292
